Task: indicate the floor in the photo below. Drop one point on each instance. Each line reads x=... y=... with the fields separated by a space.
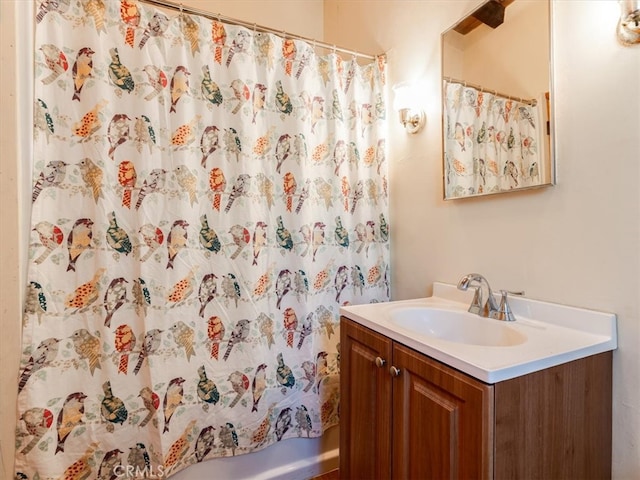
x=332 y=475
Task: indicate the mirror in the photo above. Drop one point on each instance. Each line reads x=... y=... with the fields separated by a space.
x=497 y=100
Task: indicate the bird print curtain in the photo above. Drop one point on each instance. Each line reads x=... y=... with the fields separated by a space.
x=205 y=197
x=491 y=143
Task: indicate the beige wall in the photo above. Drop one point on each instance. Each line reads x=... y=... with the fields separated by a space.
x=576 y=243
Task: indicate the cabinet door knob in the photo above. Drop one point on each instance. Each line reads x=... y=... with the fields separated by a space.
x=394 y=371
x=380 y=362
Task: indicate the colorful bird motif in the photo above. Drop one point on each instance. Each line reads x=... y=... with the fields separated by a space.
x=341 y=234
x=241 y=238
x=176 y=240
x=283 y=102
x=336 y=106
x=150 y=345
x=151 y=403
x=86 y=294
x=90 y=122
x=301 y=285
x=35 y=301
x=144 y=134
x=239 y=44
x=55 y=60
x=258 y=100
x=358 y=194
x=206 y=388
x=127 y=178
x=178 y=449
x=219 y=37
x=157 y=79
x=208 y=237
x=341 y=281
x=119 y=74
x=37 y=422
x=155 y=28
x=81 y=71
x=325 y=319
x=207 y=291
x=182 y=289
x=306 y=330
x=42 y=119
x=118 y=132
x=261 y=433
x=179 y=85
x=283 y=423
x=50 y=236
x=265 y=323
x=70 y=417
x=265 y=187
x=210 y=89
x=124 y=342
x=259 y=385
x=283 y=235
x=318 y=238
x=303 y=420
x=83 y=467
x=208 y=143
x=215 y=333
x=241 y=93
x=52 y=176
x=289 y=51
x=239 y=384
x=357 y=279
x=88 y=348
x=152 y=184
x=240 y=189
x=259 y=240
x=309 y=369
x=172 y=400
x=324 y=191
x=183 y=336
x=290 y=323
x=152 y=237
x=130 y=15
x=117 y=237
x=217 y=184
x=289 y=186
x=239 y=334
x=139 y=458
x=284 y=375
x=204 y=443
x=265 y=49
x=114 y=298
x=317 y=112
x=111 y=463
x=228 y=437
x=232 y=143
x=188 y=182
x=304 y=62
x=283 y=285
x=190 y=31
x=322 y=368
x=92 y=177
x=304 y=194
x=42 y=357
x=112 y=408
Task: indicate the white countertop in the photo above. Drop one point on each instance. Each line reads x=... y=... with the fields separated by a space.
x=555 y=334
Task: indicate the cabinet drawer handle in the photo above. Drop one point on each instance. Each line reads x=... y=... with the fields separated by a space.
x=380 y=362
x=394 y=371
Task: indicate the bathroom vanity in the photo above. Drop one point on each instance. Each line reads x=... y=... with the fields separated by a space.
x=431 y=403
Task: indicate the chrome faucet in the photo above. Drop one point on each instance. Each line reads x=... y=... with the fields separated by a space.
x=490 y=309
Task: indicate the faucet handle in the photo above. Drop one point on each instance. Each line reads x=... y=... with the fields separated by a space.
x=476 y=304
x=504 y=310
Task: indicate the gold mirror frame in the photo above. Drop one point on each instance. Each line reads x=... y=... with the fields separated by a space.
x=507 y=30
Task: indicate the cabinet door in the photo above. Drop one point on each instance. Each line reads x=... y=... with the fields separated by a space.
x=365 y=403
x=442 y=421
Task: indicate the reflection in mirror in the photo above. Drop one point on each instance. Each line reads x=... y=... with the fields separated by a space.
x=497 y=122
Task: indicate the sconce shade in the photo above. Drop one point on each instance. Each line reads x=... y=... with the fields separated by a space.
x=404 y=102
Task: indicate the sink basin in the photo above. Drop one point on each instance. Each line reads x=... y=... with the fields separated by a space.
x=457 y=326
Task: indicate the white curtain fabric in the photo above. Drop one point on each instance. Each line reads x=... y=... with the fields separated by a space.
x=205 y=197
x=491 y=144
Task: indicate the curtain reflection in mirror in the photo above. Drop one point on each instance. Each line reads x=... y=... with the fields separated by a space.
x=492 y=143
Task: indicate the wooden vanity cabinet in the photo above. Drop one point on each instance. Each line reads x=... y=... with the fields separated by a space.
x=431 y=421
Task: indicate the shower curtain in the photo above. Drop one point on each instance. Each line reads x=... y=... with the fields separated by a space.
x=491 y=144
x=205 y=197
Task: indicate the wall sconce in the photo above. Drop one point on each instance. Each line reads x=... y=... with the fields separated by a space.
x=405 y=99
x=628 y=28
